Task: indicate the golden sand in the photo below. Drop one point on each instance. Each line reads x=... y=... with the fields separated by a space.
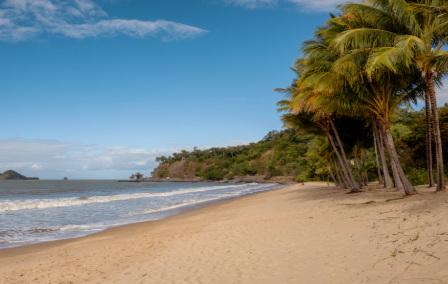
x=296 y=234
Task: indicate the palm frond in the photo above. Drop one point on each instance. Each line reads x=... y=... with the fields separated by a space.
x=363 y=38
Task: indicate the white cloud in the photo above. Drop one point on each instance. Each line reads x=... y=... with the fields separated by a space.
x=252 y=3
x=318 y=5
x=51 y=159
x=36 y=166
x=168 y=30
x=25 y=19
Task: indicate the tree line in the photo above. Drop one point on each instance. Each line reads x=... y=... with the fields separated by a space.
x=301 y=155
x=360 y=67
x=290 y=153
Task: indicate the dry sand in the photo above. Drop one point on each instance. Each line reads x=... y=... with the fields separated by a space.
x=296 y=234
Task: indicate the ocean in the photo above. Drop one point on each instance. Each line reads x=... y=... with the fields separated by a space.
x=36 y=211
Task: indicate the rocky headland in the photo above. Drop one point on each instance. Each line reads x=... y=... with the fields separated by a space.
x=13 y=175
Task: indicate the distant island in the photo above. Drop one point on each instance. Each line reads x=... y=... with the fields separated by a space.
x=13 y=175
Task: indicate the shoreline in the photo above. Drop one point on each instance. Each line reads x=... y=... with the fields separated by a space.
x=284 y=180
x=188 y=209
x=167 y=213
x=294 y=234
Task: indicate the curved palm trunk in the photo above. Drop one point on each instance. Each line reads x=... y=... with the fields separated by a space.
x=364 y=159
x=375 y=144
x=397 y=180
x=358 y=165
x=348 y=167
x=428 y=141
x=401 y=178
x=407 y=186
x=345 y=175
x=338 y=175
x=437 y=137
x=387 y=179
x=393 y=165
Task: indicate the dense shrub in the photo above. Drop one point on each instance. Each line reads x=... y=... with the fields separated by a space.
x=212 y=173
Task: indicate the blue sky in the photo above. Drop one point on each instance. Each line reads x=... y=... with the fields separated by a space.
x=98 y=89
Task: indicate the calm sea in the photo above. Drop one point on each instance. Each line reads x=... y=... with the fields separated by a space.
x=38 y=211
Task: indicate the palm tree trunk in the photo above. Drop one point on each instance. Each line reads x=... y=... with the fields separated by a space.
x=345 y=175
x=397 y=181
x=338 y=175
x=387 y=179
x=428 y=141
x=358 y=164
x=408 y=187
x=437 y=137
x=401 y=180
x=364 y=159
x=349 y=168
x=375 y=145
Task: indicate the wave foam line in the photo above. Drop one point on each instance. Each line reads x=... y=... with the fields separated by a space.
x=193 y=202
x=77 y=201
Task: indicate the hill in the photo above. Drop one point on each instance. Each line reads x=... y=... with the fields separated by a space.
x=13 y=175
x=291 y=154
x=281 y=156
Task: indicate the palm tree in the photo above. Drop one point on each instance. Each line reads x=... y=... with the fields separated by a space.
x=381 y=92
x=303 y=112
x=382 y=97
x=405 y=35
x=325 y=93
x=333 y=82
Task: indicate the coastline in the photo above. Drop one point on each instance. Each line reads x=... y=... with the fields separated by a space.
x=295 y=234
x=284 y=180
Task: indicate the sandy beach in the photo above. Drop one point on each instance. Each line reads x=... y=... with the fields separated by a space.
x=297 y=234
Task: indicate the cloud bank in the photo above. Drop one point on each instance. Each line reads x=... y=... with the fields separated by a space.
x=21 y=20
x=52 y=159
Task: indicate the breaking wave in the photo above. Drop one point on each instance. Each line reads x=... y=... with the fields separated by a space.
x=29 y=204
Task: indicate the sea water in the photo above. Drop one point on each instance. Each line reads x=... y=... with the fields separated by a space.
x=37 y=211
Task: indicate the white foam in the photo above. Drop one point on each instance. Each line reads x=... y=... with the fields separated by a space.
x=15 y=205
x=196 y=201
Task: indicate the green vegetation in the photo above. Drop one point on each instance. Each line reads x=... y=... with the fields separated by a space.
x=13 y=175
x=137 y=176
x=345 y=112
x=304 y=156
x=287 y=153
x=364 y=64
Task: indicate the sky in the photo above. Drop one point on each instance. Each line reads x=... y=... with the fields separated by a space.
x=97 y=89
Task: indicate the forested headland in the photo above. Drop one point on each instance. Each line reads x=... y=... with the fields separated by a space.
x=296 y=155
x=345 y=112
